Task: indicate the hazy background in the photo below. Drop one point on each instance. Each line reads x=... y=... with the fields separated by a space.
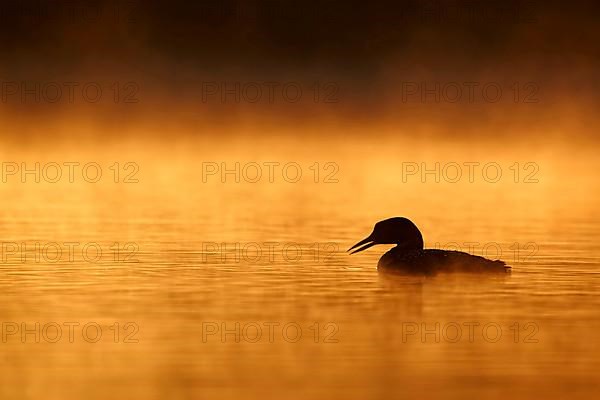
x=365 y=58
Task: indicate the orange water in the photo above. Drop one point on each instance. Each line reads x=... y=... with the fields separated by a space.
x=203 y=268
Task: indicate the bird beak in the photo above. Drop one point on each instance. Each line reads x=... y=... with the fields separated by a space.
x=368 y=242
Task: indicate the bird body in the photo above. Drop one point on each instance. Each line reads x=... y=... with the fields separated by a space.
x=430 y=261
x=410 y=256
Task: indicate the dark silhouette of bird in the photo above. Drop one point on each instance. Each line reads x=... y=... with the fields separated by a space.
x=410 y=256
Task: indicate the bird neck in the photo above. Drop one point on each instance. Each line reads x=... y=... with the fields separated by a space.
x=414 y=244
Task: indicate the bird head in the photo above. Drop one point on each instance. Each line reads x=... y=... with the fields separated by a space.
x=398 y=230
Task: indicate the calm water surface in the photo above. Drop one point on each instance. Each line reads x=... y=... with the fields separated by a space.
x=224 y=290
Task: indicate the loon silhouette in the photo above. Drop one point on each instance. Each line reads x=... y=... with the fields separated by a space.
x=410 y=256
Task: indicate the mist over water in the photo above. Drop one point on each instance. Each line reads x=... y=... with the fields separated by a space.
x=246 y=285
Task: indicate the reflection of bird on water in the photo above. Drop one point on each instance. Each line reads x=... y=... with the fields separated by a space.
x=409 y=255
